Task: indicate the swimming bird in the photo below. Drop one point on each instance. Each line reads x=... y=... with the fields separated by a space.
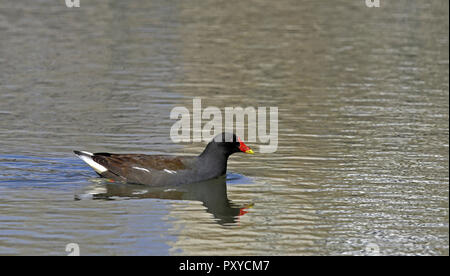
x=163 y=170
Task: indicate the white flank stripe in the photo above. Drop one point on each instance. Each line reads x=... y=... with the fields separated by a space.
x=88 y=153
x=96 y=166
x=169 y=171
x=142 y=169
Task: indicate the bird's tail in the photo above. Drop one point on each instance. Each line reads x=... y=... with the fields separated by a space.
x=87 y=157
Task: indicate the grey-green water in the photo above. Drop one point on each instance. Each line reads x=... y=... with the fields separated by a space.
x=363 y=100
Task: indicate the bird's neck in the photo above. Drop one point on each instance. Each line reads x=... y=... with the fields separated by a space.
x=213 y=160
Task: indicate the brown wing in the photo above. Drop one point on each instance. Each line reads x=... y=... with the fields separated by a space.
x=122 y=164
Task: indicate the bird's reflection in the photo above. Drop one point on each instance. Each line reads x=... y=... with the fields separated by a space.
x=212 y=193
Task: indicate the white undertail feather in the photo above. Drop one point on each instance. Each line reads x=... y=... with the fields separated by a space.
x=88 y=159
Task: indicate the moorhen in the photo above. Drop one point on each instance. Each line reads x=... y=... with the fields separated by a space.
x=163 y=170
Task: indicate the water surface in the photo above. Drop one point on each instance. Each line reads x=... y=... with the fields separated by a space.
x=363 y=107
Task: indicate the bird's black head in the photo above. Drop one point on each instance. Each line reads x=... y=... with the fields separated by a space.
x=231 y=143
x=227 y=144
